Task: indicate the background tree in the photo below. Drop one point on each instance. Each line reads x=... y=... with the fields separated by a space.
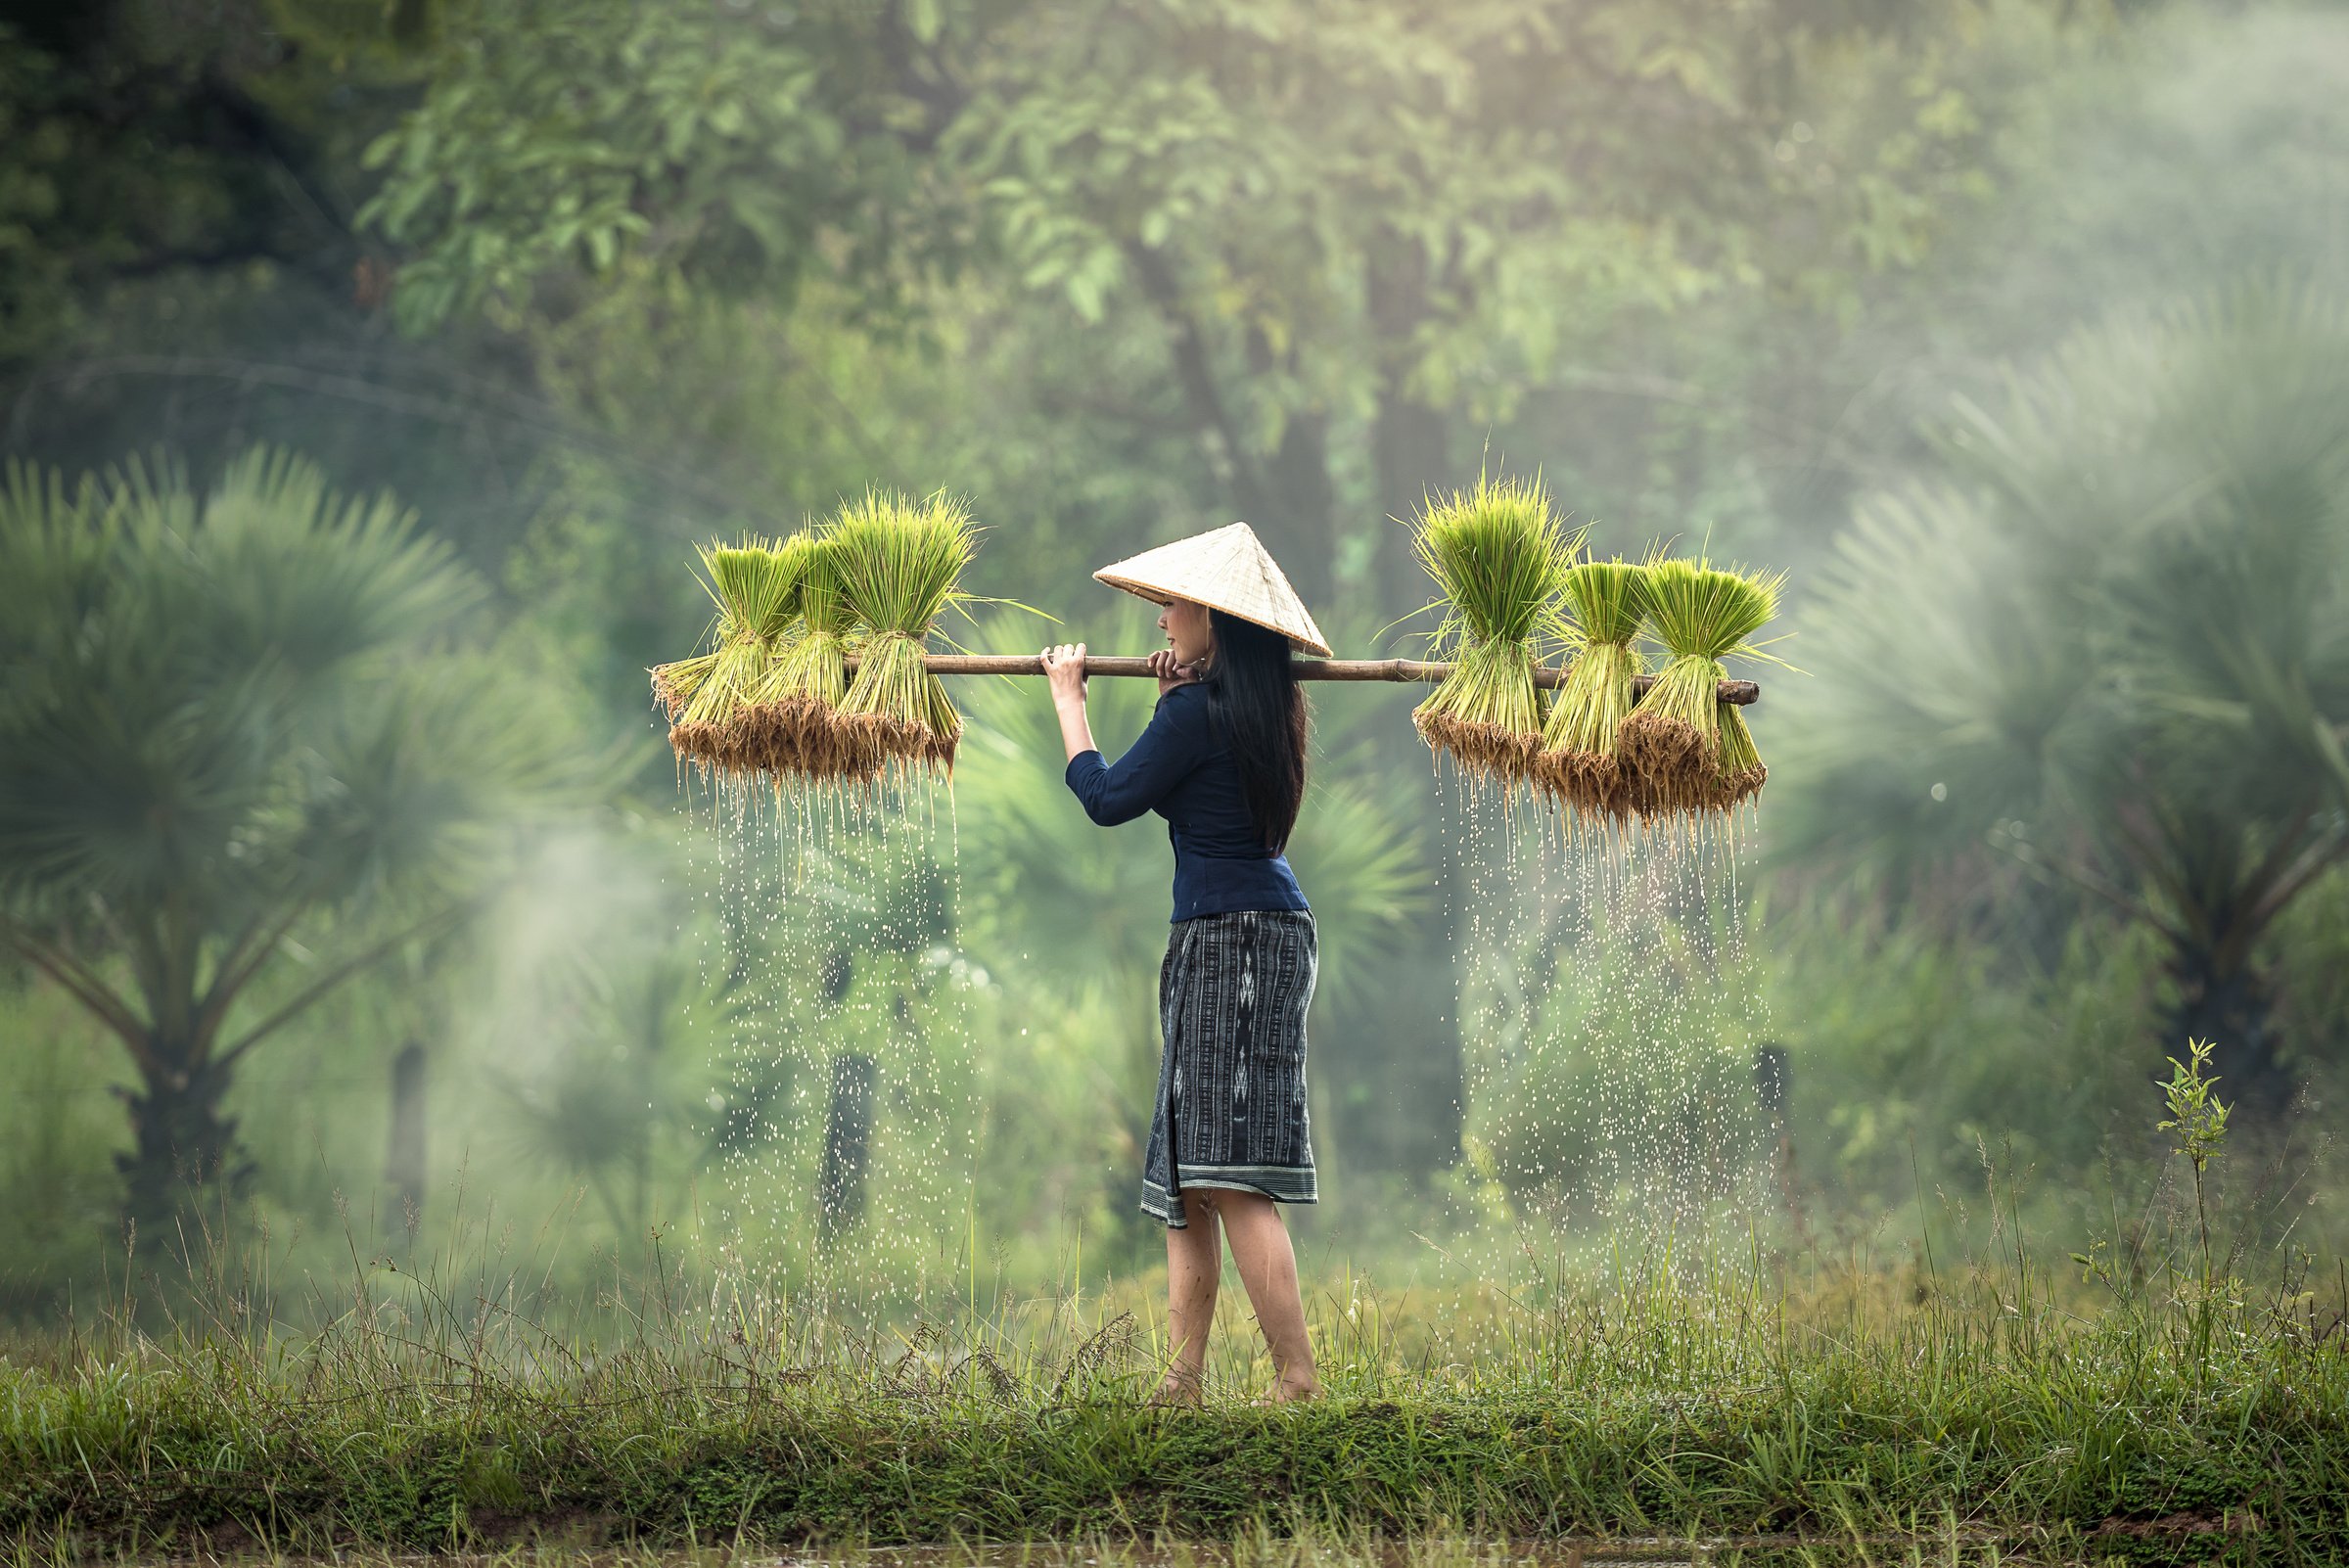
x=743 y=150
x=1706 y=266
x=1355 y=232
x=2111 y=640
x=240 y=765
x=1371 y=234
x=1347 y=243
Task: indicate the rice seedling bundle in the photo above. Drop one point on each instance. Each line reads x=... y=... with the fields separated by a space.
x=713 y=700
x=1499 y=555
x=899 y=564
x=1576 y=763
x=1691 y=752
x=811 y=678
x=1741 y=774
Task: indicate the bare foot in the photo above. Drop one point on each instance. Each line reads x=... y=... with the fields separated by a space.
x=1286 y=1392
x=1177 y=1389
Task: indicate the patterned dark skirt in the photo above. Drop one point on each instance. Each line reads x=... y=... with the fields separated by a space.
x=1231 y=1001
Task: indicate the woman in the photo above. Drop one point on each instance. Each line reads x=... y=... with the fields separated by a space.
x=1223 y=761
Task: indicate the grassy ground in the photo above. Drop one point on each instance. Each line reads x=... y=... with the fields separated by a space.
x=1970 y=1417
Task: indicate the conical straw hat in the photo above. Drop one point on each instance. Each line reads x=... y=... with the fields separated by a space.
x=1226 y=568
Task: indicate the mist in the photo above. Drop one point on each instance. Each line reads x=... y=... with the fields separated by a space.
x=882 y=1054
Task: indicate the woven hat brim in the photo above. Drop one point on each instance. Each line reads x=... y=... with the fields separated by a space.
x=1226 y=568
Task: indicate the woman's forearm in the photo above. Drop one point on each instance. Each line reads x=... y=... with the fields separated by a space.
x=1076 y=732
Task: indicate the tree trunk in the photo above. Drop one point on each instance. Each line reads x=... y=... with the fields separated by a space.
x=1429 y=1063
x=404 y=1151
x=1409 y=448
x=1305 y=507
x=2234 y=1007
x=847 y=1140
x=1412 y=451
x=1288 y=496
x=182 y=1146
x=1424 y=1067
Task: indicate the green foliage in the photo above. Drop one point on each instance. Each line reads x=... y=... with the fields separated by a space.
x=1629 y=1096
x=34 y=277
x=569 y=136
x=1321 y=226
x=2197 y=1115
x=1908 y=1044
x=2128 y=587
x=609 y=1105
x=2198 y=1120
x=1193 y=262
x=231 y=721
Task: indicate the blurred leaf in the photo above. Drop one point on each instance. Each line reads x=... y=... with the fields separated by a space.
x=2111 y=641
x=229 y=719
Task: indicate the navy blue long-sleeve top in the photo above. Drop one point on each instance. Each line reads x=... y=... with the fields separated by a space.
x=1183 y=770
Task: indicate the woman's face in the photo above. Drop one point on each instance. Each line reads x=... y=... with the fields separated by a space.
x=1188 y=632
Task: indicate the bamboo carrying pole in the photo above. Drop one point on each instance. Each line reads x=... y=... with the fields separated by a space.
x=1744 y=693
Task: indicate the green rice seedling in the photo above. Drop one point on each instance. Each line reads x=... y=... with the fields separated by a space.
x=714 y=700
x=1741 y=774
x=1577 y=764
x=1674 y=739
x=900 y=563
x=811 y=673
x=767 y=727
x=674 y=684
x=1499 y=555
x=757 y=582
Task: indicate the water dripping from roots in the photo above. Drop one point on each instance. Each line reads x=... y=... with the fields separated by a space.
x=848 y=1139
x=1612 y=1023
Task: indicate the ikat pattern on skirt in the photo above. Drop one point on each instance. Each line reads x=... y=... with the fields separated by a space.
x=1232 y=996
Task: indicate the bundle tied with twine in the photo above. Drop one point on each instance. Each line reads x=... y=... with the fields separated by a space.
x=716 y=701
x=1499 y=555
x=1691 y=751
x=900 y=563
x=1577 y=764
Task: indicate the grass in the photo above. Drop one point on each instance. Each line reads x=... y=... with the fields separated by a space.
x=1251 y=1549
x=1653 y=1402
x=1312 y=1548
x=1499 y=555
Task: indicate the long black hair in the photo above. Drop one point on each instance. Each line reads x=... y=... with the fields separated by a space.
x=1259 y=713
